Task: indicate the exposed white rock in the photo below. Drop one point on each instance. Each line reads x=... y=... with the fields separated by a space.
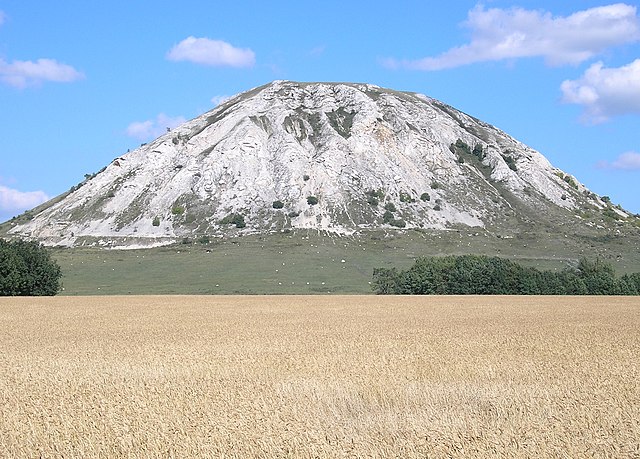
x=289 y=142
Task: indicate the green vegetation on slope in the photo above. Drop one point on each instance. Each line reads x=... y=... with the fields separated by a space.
x=308 y=262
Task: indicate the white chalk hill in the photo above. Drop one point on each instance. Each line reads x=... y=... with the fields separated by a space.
x=337 y=157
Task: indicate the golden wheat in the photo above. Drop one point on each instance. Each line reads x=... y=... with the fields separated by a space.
x=323 y=376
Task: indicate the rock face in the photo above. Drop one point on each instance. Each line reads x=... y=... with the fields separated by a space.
x=343 y=158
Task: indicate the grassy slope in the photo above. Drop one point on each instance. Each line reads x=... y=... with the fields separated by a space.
x=305 y=262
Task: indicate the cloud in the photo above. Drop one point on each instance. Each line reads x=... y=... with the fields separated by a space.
x=2 y=17
x=214 y=53
x=629 y=161
x=605 y=92
x=21 y=74
x=501 y=34
x=15 y=201
x=151 y=129
x=217 y=100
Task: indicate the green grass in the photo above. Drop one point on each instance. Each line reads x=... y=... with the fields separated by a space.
x=304 y=262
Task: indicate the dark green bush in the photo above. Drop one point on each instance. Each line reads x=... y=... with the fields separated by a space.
x=483 y=275
x=156 y=221
x=388 y=216
x=425 y=197
x=312 y=200
x=398 y=223
x=235 y=219
x=406 y=197
x=27 y=269
x=277 y=204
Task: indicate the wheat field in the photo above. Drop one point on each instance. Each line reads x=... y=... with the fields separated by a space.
x=319 y=376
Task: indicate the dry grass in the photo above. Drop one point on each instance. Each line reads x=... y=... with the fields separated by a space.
x=355 y=376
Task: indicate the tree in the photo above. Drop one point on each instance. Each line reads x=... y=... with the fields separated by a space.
x=26 y=269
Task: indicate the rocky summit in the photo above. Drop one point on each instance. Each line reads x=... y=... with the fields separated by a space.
x=337 y=157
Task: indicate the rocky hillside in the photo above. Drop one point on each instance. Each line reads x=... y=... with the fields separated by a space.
x=342 y=158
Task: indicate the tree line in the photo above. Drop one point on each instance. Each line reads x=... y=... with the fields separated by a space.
x=484 y=275
x=27 y=269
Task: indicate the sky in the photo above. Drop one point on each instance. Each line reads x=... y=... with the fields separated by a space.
x=82 y=82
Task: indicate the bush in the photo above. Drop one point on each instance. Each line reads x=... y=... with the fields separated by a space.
x=305 y=177
x=293 y=214
x=425 y=197
x=376 y=194
x=235 y=219
x=406 y=197
x=391 y=207
x=483 y=275
x=312 y=200
x=156 y=221
x=26 y=269
x=478 y=152
x=398 y=223
x=510 y=162
x=372 y=201
x=277 y=204
x=177 y=210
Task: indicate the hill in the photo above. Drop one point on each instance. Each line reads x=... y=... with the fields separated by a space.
x=341 y=158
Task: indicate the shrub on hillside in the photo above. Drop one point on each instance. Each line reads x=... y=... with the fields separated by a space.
x=235 y=219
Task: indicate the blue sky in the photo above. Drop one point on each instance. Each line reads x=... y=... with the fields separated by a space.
x=81 y=82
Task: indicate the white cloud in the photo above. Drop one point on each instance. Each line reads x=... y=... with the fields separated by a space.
x=2 y=17
x=150 y=129
x=605 y=92
x=21 y=74
x=215 y=53
x=501 y=34
x=629 y=161
x=217 y=100
x=15 y=201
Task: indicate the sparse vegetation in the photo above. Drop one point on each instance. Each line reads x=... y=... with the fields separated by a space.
x=177 y=210
x=568 y=180
x=398 y=223
x=406 y=197
x=435 y=185
x=234 y=219
x=510 y=162
x=374 y=196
